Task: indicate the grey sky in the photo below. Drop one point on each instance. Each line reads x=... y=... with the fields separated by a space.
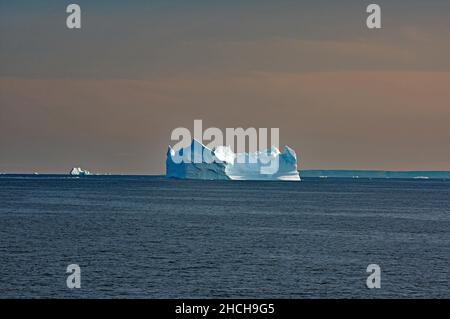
x=107 y=97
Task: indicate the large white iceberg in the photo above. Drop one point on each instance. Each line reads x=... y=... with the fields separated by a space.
x=77 y=171
x=196 y=161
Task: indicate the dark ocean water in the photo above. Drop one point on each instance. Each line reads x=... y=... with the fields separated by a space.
x=147 y=237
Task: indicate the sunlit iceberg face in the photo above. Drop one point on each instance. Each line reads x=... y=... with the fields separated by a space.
x=224 y=154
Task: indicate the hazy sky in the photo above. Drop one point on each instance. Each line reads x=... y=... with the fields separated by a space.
x=107 y=97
